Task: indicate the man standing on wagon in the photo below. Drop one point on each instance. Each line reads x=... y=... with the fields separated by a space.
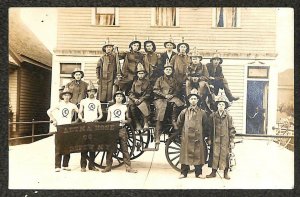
x=220 y=138
x=106 y=73
x=131 y=61
x=217 y=78
x=166 y=93
x=167 y=55
x=151 y=61
x=192 y=122
x=66 y=110
x=90 y=108
x=119 y=112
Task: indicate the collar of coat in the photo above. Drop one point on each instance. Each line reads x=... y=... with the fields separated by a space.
x=224 y=114
x=191 y=108
x=182 y=54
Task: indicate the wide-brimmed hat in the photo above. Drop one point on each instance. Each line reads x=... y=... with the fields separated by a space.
x=135 y=41
x=216 y=56
x=194 y=92
x=195 y=54
x=65 y=91
x=119 y=92
x=91 y=86
x=106 y=43
x=183 y=43
x=171 y=41
x=77 y=70
x=222 y=99
x=149 y=41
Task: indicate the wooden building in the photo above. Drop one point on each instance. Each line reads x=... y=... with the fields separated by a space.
x=245 y=38
x=29 y=77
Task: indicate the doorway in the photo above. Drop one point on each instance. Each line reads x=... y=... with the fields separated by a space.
x=257 y=105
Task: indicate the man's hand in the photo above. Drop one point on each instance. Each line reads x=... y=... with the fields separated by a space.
x=211 y=78
x=54 y=122
x=83 y=120
x=209 y=142
x=123 y=121
x=137 y=101
x=232 y=145
x=168 y=96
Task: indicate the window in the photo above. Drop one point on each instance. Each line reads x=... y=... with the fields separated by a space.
x=105 y=16
x=166 y=17
x=226 y=17
x=65 y=71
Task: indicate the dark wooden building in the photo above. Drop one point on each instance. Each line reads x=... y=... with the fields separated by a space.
x=29 y=77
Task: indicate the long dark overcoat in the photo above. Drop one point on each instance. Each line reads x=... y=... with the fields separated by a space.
x=193 y=149
x=180 y=63
x=106 y=73
x=221 y=134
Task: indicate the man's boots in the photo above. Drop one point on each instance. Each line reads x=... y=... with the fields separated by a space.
x=106 y=169
x=226 y=176
x=130 y=169
x=229 y=94
x=212 y=174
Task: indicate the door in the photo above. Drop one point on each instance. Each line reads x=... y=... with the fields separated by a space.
x=257 y=104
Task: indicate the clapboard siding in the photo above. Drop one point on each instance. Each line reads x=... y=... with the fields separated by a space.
x=257 y=31
x=34 y=95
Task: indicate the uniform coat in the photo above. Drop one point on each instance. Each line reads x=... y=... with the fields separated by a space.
x=221 y=134
x=141 y=90
x=151 y=65
x=180 y=62
x=79 y=90
x=193 y=149
x=199 y=69
x=106 y=73
x=165 y=85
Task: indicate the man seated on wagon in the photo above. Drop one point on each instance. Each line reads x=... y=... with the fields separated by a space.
x=90 y=108
x=66 y=111
x=166 y=91
x=118 y=112
x=217 y=78
x=193 y=125
x=139 y=98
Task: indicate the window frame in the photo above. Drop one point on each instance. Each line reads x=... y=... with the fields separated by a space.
x=153 y=17
x=93 y=18
x=214 y=19
x=63 y=76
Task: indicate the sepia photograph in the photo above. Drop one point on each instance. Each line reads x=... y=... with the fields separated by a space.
x=151 y=98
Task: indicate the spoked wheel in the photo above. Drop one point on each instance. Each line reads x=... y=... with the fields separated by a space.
x=100 y=160
x=172 y=152
x=142 y=141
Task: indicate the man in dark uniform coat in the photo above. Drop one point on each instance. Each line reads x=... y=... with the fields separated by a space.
x=169 y=45
x=131 y=61
x=217 y=78
x=151 y=61
x=166 y=92
x=192 y=122
x=221 y=135
x=77 y=87
x=139 y=98
x=106 y=73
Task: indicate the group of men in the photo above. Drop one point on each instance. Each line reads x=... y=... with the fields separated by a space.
x=159 y=79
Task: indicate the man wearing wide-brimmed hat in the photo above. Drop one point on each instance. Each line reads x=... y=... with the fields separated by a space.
x=192 y=124
x=131 y=60
x=151 y=61
x=139 y=98
x=181 y=61
x=221 y=135
x=118 y=112
x=77 y=87
x=217 y=78
x=169 y=46
x=89 y=109
x=65 y=112
x=166 y=93
x=106 y=72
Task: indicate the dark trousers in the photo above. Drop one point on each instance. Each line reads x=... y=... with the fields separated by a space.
x=222 y=84
x=185 y=169
x=124 y=148
x=59 y=157
x=83 y=160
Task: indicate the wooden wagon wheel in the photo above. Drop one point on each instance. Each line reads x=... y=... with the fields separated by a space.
x=100 y=160
x=172 y=152
x=142 y=141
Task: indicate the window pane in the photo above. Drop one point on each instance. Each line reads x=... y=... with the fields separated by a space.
x=165 y=16
x=220 y=17
x=105 y=16
x=68 y=68
x=105 y=10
